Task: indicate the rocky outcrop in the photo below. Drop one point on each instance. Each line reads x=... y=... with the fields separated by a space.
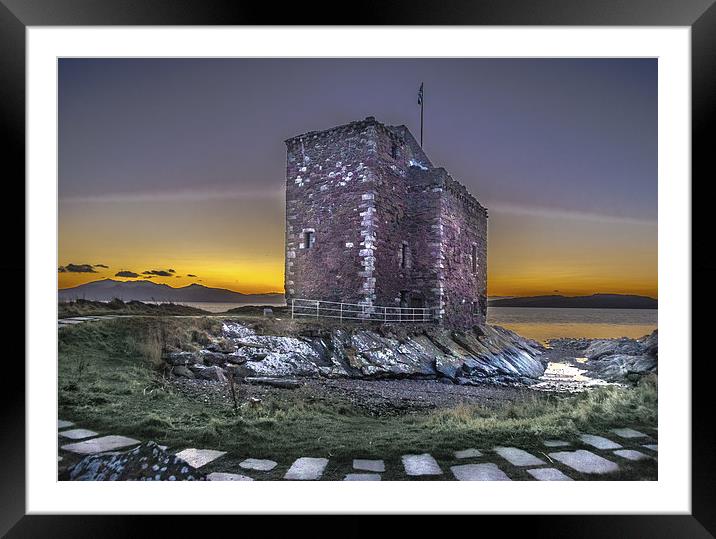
x=617 y=360
x=484 y=354
x=147 y=462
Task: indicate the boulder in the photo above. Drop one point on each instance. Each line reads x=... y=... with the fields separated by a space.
x=147 y=462
x=182 y=371
x=179 y=358
x=214 y=373
x=213 y=358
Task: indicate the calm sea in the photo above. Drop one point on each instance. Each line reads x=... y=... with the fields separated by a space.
x=544 y=324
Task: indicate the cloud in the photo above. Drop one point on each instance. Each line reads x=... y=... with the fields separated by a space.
x=560 y=213
x=76 y=268
x=125 y=273
x=188 y=195
x=171 y=271
x=101 y=266
x=190 y=275
x=159 y=273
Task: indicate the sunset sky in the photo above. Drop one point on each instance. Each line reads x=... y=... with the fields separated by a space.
x=178 y=164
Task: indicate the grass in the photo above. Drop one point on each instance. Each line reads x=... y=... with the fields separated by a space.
x=83 y=307
x=110 y=380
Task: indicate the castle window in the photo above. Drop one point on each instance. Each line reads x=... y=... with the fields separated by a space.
x=404 y=254
x=309 y=238
x=394 y=151
x=474 y=258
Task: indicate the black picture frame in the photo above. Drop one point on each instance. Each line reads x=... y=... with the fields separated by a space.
x=699 y=15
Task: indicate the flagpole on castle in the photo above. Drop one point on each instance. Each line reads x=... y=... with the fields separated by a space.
x=421 y=99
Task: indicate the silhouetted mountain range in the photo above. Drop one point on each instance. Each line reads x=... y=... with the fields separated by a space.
x=109 y=289
x=595 y=301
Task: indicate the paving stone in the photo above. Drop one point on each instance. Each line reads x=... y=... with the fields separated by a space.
x=423 y=464
x=518 y=457
x=548 y=474
x=629 y=433
x=585 y=461
x=467 y=454
x=100 y=445
x=599 y=442
x=258 y=464
x=369 y=465
x=306 y=469
x=556 y=443
x=479 y=472
x=362 y=477
x=223 y=476
x=653 y=447
x=631 y=454
x=62 y=424
x=199 y=457
x=77 y=434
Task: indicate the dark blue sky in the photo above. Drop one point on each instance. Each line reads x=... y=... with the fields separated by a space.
x=527 y=136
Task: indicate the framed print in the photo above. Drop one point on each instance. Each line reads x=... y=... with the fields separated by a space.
x=416 y=262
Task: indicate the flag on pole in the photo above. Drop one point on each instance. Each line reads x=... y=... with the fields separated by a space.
x=420 y=94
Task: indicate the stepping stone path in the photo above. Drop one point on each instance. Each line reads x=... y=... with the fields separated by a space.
x=629 y=433
x=599 y=442
x=362 y=477
x=369 y=465
x=222 y=476
x=62 y=424
x=653 y=447
x=77 y=434
x=479 y=472
x=518 y=457
x=548 y=474
x=467 y=454
x=556 y=443
x=200 y=457
x=424 y=464
x=258 y=465
x=100 y=445
x=585 y=461
x=306 y=469
x=631 y=454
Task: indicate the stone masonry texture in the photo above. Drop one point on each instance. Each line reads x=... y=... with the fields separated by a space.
x=370 y=220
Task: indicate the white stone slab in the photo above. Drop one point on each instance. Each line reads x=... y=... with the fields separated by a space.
x=362 y=477
x=222 y=476
x=629 y=433
x=100 y=445
x=306 y=469
x=653 y=447
x=62 y=424
x=548 y=474
x=631 y=454
x=77 y=434
x=479 y=472
x=467 y=454
x=518 y=457
x=199 y=457
x=260 y=465
x=599 y=442
x=377 y=466
x=585 y=461
x=556 y=443
x=423 y=464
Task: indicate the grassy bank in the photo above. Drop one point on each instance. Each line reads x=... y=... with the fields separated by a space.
x=110 y=381
x=83 y=307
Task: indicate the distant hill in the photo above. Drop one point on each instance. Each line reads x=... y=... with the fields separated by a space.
x=595 y=301
x=109 y=289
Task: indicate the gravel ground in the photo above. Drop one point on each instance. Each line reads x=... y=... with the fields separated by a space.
x=377 y=397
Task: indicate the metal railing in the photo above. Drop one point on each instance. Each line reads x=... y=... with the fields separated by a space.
x=356 y=311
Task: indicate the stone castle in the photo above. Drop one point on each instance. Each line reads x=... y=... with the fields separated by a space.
x=371 y=221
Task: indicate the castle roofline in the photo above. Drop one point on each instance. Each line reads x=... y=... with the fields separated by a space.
x=322 y=132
